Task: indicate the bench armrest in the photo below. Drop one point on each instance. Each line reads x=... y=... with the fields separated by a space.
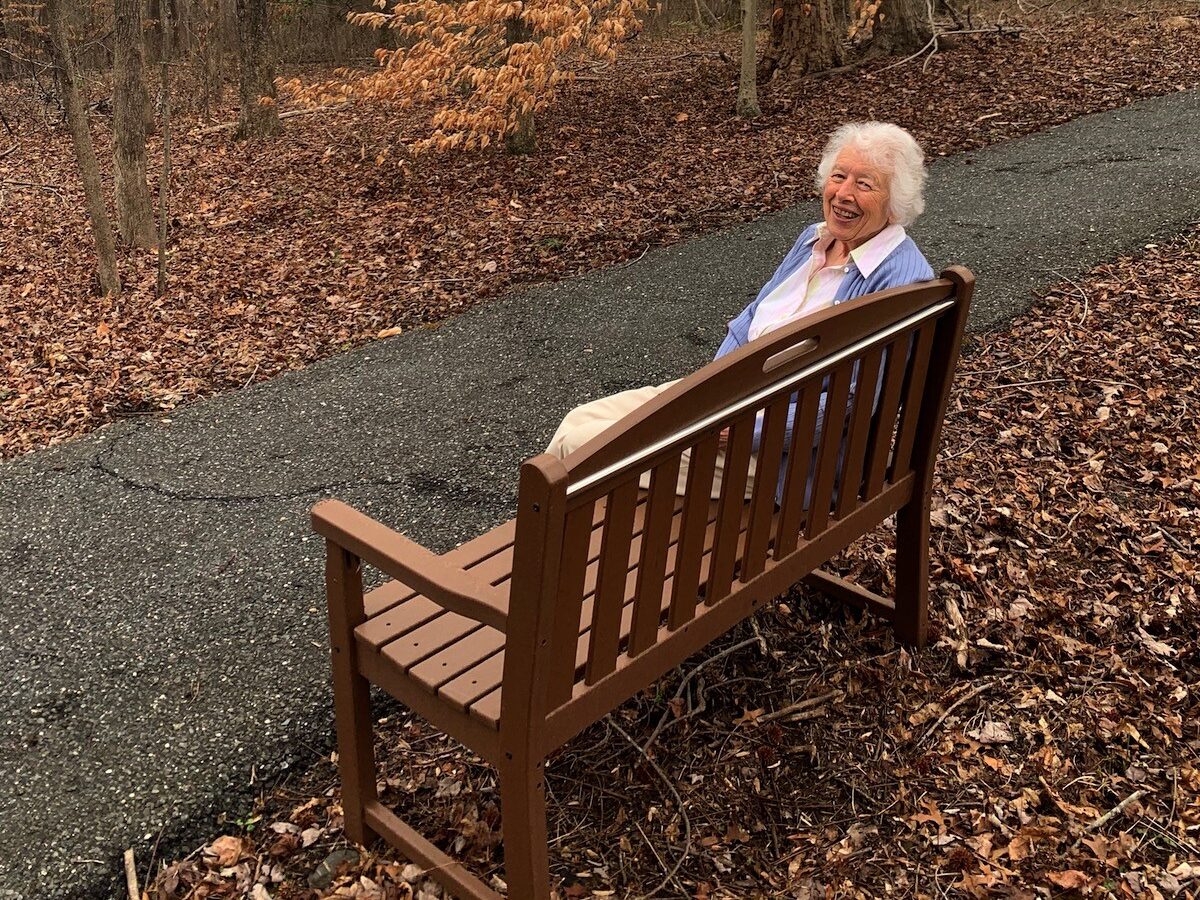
x=395 y=555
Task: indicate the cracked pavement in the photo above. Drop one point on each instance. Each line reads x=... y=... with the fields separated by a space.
x=162 y=627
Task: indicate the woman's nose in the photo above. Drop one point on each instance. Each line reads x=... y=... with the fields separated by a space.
x=845 y=191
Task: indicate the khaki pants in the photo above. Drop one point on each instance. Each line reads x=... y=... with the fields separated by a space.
x=585 y=422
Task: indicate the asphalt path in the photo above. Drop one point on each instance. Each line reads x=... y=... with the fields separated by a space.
x=162 y=626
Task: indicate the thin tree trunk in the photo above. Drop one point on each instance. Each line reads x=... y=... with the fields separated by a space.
x=747 y=99
x=210 y=47
x=164 y=181
x=135 y=220
x=904 y=26
x=89 y=171
x=804 y=38
x=335 y=30
x=259 y=117
x=524 y=138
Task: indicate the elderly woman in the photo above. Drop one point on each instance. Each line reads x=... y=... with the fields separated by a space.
x=871 y=178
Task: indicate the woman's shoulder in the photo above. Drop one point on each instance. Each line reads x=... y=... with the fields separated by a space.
x=908 y=263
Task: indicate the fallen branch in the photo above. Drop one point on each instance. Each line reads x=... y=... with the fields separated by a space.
x=800 y=706
x=1001 y=30
x=290 y=114
x=687 y=825
x=974 y=692
x=683 y=684
x=131 y=879
x=48 y=188
x=1109 y=816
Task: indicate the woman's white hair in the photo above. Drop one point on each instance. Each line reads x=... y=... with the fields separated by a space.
x=892 y=150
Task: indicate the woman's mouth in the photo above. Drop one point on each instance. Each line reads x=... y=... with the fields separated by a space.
x=844 y=214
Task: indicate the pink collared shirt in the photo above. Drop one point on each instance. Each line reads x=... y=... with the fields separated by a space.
x=813 y=286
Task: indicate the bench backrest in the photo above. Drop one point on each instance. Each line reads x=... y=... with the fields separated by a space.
x=615 y=583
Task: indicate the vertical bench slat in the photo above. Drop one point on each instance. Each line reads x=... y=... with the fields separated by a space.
x=577 y=538
x=692 y=530
x=880 y=445
x=610 y=583
x=731 y=507
x=652 y=563
x=766 y=480
x=799 y=465
x=860 y=424
x=910 y=412
x=827 y=456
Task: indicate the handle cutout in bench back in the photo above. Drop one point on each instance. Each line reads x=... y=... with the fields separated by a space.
x=783 y=357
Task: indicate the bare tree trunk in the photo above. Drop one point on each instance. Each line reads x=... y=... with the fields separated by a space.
x=135 y=220
x=210 y=47
x=524 y=139
x=164 y=181
x=747 y=99
x=259 y=117
x=804 y=38
x=904 y=26
x=89 y=171
x=335 y=30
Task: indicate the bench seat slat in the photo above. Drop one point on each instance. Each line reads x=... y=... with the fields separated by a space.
x=451 y=662
x=420 y=643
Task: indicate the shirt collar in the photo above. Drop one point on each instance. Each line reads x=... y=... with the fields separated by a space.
x=868 y=256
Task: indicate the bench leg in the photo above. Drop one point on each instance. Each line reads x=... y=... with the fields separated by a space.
x=912 y=571
x=351 y=693
x=523 y=813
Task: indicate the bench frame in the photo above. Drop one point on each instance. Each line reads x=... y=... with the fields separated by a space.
x=539 y=711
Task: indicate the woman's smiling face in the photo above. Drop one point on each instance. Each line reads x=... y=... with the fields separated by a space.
x=855 y=199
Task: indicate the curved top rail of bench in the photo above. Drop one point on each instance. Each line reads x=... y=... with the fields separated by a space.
x=768 y=365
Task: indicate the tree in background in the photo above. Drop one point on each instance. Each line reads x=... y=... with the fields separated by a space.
x=893 y=27
x=256 y=83
x=85 y=155
x=747 y=99
x=488 y=66
x=804 y=38
x=135 y=220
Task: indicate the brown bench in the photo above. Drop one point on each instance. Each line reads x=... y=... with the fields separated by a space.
x=518 y=640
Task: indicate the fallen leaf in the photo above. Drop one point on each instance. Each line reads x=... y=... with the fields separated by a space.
x=992 y=733
x=1071 y=879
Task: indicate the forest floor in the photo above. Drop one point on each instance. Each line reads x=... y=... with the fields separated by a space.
x=286 y=251
x=1046 y=744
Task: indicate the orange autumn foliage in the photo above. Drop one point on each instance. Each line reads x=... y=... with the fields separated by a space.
x=486 y=67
